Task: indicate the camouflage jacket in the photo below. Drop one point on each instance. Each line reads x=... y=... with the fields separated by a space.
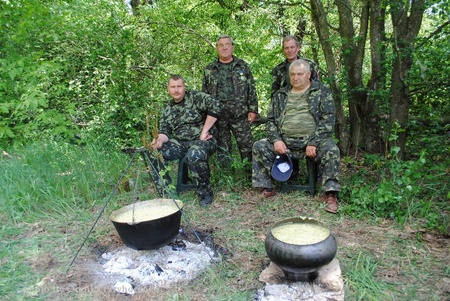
x=280 y=74
x=244 y=83
x=321 y=106
x=184 y=121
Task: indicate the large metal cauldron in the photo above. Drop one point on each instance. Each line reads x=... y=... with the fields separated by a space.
x=148 y=225
x=300 y=246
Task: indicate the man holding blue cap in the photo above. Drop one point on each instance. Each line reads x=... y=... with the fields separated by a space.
x=300 y=122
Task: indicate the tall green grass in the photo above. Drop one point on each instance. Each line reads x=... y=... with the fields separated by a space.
x=48 y=192
x=363 y=282
x=55 y=179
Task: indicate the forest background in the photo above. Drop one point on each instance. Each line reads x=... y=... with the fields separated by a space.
x=95 y=73
x=81 y=72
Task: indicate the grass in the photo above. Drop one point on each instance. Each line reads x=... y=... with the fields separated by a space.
x=48 y=191
x=52 y=193
x=362 y=279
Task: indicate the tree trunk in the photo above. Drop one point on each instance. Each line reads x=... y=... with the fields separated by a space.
x=321 y=26
x=353 y=51
x=406 y=20
x=377 y=84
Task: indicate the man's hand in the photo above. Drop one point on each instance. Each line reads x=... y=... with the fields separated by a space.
x=156 y=144
x=251 y=116
x=205 y=136
x=280 y=147
x=311 y=151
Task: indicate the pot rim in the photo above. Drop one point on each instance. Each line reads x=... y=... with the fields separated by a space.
x=302 y=218
x=142 y=204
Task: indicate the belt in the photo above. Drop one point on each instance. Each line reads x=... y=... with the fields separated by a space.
x=296 y=138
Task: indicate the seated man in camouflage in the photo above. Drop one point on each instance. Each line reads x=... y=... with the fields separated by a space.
x=186 y=128
x=300 y=121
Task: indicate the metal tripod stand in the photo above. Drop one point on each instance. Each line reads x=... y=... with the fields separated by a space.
x=159 y=185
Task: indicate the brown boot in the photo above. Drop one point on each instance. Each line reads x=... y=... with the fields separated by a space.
x=268 y=193
x=331 y=201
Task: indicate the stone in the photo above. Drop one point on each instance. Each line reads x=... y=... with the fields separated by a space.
x=330 y=277
x=328 y=286
x=124 y=287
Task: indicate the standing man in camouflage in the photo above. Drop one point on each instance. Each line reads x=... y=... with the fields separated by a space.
x=280 y=74
x=186 y=128
x=230 y=80
x=300 y=122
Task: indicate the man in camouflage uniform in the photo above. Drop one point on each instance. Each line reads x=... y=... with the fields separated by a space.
x=300 y=122
x=186 y=128
x=280 y=74
x=230 y=80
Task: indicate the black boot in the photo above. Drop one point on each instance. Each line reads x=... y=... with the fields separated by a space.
x=205 y=197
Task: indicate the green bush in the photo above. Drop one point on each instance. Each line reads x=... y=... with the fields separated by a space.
x=401 y=190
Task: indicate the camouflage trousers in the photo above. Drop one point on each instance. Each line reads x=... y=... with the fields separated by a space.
x=328 y=155
x=197 y=153
x=231 y=122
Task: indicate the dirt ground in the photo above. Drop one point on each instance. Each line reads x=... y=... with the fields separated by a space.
x=409 y=258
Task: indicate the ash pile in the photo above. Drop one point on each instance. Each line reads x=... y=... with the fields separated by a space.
x=128 y=270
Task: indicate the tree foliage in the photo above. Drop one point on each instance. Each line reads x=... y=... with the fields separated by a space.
x=94 y=70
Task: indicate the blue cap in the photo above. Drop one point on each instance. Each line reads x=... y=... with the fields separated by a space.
x=282 y=168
